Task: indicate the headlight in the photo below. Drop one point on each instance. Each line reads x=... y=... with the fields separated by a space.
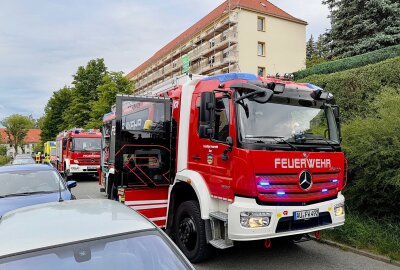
x=255 y=219
x=339 y=209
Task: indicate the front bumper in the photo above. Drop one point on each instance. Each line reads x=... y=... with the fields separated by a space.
x=281 y=218
x=83 y=169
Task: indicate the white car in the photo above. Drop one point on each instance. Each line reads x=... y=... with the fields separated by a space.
x=84 y=234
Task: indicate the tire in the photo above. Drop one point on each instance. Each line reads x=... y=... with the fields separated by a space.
x=190 y=232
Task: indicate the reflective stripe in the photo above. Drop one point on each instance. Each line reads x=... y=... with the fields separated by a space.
x=145 y=202
x=140 y=207
x=158 y=218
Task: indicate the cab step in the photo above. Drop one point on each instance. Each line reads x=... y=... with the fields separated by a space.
x=220 y=244
x=219 y=230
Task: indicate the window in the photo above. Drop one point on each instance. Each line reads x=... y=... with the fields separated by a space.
x=225 y=53
x=212 y=43
x=261 y=24
x=211 y=61
x=261 y=49
x=221 y=119
x=261 y=71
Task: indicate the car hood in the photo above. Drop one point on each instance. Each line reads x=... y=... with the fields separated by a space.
x=10 y=203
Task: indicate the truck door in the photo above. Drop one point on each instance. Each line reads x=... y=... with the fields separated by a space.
x=143 y=158
x=213 y=152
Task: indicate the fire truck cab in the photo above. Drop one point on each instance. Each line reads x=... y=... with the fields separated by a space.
x=78 y=151
x=231 y=157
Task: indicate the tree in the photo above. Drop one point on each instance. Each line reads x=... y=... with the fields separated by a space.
x=360 y=26
x=310 y=48
x=86 y=81
x=17 y=127
x=113 y=83
x=53 y=121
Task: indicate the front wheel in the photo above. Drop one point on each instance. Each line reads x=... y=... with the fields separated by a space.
x=190 y=232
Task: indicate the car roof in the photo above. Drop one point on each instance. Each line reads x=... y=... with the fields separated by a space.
x=26 y=167
x=44 y=225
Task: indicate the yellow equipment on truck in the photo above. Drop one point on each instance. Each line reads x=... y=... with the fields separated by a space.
x=50 y=152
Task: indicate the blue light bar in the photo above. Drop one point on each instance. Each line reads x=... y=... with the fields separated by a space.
x=232 y=76
x=324 y=190
x=280 y=193
x=335 y=181
x=263 y=184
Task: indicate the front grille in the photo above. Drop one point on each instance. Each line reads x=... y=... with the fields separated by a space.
x=91 y=161
x=286 y=224
x=276 y=189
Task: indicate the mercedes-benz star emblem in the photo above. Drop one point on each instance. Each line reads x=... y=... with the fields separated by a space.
x=305 y=180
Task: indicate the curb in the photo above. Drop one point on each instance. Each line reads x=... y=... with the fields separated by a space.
x=359 y=251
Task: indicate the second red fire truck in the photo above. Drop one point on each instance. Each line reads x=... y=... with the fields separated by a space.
x=78 y=152
x=231 y=157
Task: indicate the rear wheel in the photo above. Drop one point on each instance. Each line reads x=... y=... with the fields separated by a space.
x=190 y=233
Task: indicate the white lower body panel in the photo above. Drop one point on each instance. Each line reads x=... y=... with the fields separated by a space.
x=239 y=233
x=73 y=169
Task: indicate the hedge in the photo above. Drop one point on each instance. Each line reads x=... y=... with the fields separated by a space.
x=350 y=62
x=355 y=89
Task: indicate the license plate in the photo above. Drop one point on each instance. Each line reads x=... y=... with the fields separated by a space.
x=92 y=168
x=306 y=214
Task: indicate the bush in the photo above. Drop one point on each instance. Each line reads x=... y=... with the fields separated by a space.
x=356 y=89
x=350 y=62
x=382 y=237
x=372 y=147
x=3 y=150
x=4 y=160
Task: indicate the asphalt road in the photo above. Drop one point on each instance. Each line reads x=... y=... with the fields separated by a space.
x=252 y=255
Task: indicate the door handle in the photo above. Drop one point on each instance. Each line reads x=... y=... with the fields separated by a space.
x=196 y=157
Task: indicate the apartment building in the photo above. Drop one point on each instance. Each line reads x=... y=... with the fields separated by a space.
x=252 y=36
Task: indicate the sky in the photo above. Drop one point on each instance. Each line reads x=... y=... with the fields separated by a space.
x=43 y=42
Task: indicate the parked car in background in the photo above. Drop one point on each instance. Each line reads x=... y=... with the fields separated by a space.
x=85 y=234
x=25 y=185
x=23 y=159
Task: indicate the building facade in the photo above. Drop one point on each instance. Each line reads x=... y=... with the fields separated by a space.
x=238 y=36
x=31 y=139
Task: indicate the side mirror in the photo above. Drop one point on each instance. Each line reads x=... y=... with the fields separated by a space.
x=336 y=114
x=71 y=184
x=207 y=114
x=64 y=143
x=229 y=141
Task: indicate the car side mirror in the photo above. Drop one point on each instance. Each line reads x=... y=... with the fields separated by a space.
x=71 y=184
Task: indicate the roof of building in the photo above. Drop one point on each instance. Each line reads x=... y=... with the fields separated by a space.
x=33 y=136
x=51 y=224
x=261 y=6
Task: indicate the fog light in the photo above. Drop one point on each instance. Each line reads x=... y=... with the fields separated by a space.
x=255 y=219
x=339 y=209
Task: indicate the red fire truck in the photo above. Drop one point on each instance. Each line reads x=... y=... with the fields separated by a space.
x=78 y=151
x=225 y=158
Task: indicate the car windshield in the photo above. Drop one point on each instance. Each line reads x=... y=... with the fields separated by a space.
x=272 y=121
x=21 y=161
x=139 y=251
x=18 y=183
x=87 y=144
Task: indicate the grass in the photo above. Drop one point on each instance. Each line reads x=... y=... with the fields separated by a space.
x=377 y=236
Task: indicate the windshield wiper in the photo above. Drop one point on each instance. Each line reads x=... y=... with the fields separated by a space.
x=320 y=139
x=278 y=139
x=249 y=95
x=27 y=193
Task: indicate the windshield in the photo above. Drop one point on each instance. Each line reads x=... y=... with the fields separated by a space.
x=86 y=144
x=28 y=182
x=271 y=121
x=139 y=251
